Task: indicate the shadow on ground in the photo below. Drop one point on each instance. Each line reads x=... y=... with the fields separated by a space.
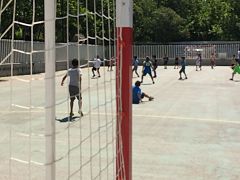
x=68 y=119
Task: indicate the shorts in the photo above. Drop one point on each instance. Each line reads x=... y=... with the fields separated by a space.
x=147 y=72
x=142 y=95
x=74 y=92
x=135 y=68
x=94 y=69
x=137 y=101
x=182 y=70
x=236 y=69
x=198 y=63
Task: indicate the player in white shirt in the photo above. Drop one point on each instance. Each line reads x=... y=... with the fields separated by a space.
x=75 y=79
x=96 y=66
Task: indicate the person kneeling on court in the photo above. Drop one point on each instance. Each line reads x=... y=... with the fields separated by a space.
x=138 y=95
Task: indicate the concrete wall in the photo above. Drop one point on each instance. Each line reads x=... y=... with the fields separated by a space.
x=205 y=62
x=22 y=56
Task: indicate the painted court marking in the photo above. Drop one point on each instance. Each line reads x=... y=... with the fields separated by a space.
x=148 y=116
x=189 y=118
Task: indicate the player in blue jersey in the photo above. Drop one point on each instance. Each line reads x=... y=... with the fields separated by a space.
x=147 y=69
x=138 y=95
x=182 y=70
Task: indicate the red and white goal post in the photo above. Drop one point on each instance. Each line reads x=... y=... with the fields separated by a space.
x=124 y=25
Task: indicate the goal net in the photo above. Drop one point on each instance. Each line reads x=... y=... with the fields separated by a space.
x=41 y=140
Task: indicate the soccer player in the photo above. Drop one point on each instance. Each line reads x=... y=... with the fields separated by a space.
x=182 y=70
x=155 y=65
x=110 y=64
x=135 y=65
x=212 y=59
x=165 y=61
x=236 y=69
x=147 y=69
x=176 y=63
x=75 y=81
x=96 y=66
x=233 y=61
x=138 y=95
x=199 y=62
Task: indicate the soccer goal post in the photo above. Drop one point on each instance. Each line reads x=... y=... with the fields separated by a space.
x=123 y=89
x=50 y=114
x=124 y=23
x=50 y=133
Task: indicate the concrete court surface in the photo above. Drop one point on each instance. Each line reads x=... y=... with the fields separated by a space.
x=190 y=131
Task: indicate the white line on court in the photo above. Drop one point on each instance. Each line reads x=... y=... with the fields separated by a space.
x=26 y=107
x=148 y=116
x=27 y=162
x=189 y=118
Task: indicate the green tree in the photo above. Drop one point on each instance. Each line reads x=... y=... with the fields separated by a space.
x=154 y=20
x=143 y=17
x=157 y=24
x=168 y=26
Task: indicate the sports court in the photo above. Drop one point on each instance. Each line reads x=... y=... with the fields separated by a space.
x=190 y=131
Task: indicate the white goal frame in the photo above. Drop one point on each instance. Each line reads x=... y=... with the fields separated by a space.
x=124 y=110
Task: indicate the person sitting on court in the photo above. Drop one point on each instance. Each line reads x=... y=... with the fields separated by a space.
x=147 y=68
x=138 y=95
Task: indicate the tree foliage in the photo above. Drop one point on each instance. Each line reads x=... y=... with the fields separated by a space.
x=155 y=21
x=196 y=20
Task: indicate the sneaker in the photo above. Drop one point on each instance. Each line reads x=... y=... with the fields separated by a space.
x=99 y=76
x=231 y=79
x=151 y=98
x=80 y=112
x=153 y=82
x=93 y=75
x=180 y=78
x=185 y=77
